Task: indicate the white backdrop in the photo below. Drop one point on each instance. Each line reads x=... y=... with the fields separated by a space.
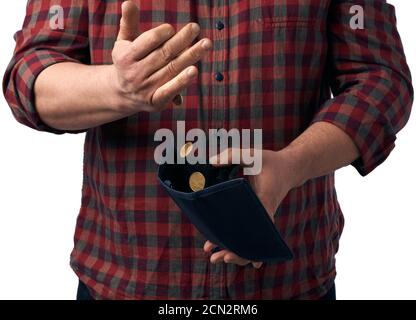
x=40 y=190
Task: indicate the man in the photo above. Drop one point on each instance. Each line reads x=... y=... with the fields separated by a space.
x=230 y=64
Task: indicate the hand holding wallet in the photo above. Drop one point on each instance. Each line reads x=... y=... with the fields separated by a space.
x=227 y=211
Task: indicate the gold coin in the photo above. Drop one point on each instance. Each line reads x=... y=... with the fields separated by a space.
x=186 y=149
x=197 y=181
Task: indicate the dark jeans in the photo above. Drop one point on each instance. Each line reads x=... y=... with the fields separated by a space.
x=84 y=294
x=330 y=295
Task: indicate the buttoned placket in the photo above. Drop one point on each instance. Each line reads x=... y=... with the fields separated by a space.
x=220 y=32
x=219 y=80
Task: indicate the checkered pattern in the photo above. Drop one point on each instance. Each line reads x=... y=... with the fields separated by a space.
x=279 y=60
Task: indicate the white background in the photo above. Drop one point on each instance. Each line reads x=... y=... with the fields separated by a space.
x=40 y=192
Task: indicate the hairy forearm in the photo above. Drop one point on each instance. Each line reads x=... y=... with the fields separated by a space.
x=148 y=71
x=71 y=96
x=321 y=149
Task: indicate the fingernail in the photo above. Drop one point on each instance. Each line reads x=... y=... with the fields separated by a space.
x=206 y=44
x=195 y=28
x=192 y=72
x=170 y=30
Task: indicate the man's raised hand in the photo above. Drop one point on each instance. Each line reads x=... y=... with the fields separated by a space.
x=152 y=68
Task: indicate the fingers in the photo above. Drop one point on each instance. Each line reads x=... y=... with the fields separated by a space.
x=129 y=21
x=227 y=256
x=209 y=246
x=230 y=257
x=166 y=93
x=187 y=58
x=152 y=51
x=172 y=48
x=150 y=40
x=218 y=256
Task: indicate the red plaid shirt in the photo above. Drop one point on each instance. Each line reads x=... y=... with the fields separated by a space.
x=279 y=60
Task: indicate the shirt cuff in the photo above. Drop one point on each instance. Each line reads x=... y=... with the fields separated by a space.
x=19 y=85
x=365 y=125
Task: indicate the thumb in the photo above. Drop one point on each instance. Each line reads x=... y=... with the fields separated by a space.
x=129 y=29
x=224 y=158
x=228 y=157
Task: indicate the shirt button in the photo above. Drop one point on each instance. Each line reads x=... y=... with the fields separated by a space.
x=219 y=76
x=220 y=25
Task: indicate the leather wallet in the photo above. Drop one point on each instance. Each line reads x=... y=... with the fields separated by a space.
x=227 y=212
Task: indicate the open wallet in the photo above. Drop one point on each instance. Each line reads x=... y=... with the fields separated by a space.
x=226 y=211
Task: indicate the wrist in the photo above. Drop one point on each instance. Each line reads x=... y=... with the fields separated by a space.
x=294 y=166
x=115 y=97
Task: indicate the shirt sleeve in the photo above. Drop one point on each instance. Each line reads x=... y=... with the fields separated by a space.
x=369 y=78
x=41 y=43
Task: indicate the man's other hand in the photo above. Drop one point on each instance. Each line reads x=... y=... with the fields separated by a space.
x=277 y=177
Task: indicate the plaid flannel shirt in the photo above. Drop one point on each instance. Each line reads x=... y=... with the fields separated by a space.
x=279 y=61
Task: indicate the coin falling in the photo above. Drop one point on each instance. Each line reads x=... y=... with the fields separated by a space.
x=186 y=149
x=197 y=181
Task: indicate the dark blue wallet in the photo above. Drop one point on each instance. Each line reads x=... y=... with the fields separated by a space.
x=227 y=212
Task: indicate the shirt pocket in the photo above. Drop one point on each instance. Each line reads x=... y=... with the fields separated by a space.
x=293 y=22
x=290 y=42
x=289 y=14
